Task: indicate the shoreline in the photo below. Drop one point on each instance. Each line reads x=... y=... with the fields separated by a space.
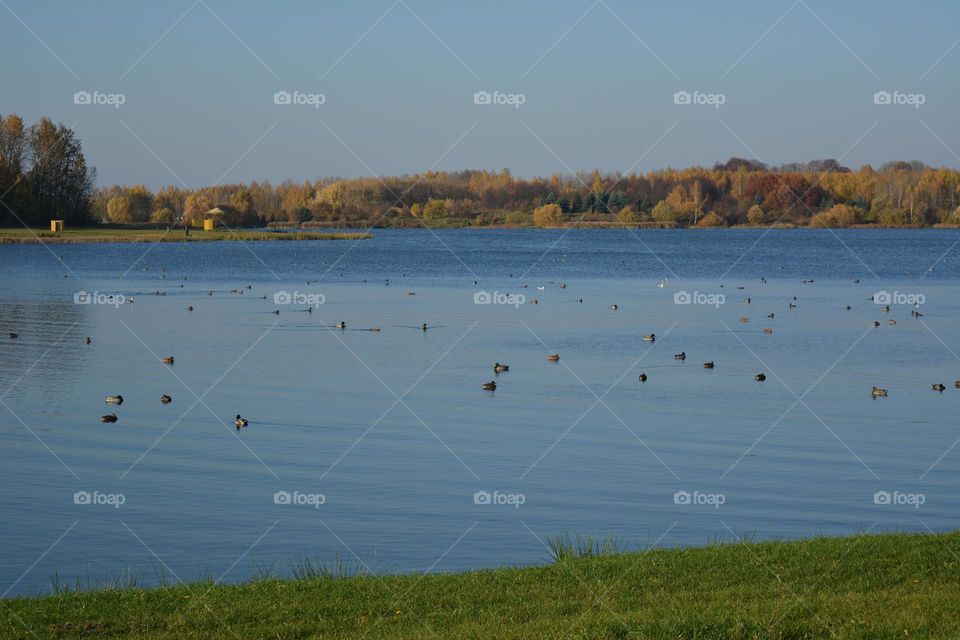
x=861 y=586
x=93 y=235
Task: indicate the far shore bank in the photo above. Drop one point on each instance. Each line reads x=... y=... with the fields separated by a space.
x=84 y=235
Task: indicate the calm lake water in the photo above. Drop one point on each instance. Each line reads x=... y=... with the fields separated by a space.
x=393 y=430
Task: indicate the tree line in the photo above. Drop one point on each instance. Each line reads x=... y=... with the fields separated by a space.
x=737 y=192
x=43 y=174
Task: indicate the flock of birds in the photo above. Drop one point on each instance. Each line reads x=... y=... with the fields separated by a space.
x=498 y=368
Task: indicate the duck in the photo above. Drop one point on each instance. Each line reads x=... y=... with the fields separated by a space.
x=744 y=319
x=650 y=338
x=490 y=386
x=680 y=356
x=14 y=336
x=374 y=329
x=190 y=307
x=877 y=392
x=113 y=399
x=938 y=387
x=239 y=422
x=87 y=340
x=891 y=322
x=554 y=357
x=708 y=365
x=760 y=377
x=614 y=307
x=341 y=325
x=167 y=360
x=643 y=377
x=770 y=315
x=424 y=327
x=110 y=417
x=275 y=312
x=165 y=399
x=876 y=323
x=500 y=368
x=957 y=384
x=768 y=330
x=792 y=306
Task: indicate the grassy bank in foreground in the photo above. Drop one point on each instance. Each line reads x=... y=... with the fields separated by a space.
x=110 y=234
x=874 y=586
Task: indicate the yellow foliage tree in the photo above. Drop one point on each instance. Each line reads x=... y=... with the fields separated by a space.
x=549 y=215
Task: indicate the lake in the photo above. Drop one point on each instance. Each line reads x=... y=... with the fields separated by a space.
x=382 y=447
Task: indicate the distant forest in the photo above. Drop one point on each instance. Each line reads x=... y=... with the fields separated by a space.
x=43 y=174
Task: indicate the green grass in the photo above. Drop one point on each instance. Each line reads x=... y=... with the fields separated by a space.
x=866 y=587
x=23 y=235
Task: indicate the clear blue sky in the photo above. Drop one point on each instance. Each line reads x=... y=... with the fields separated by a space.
x=199 y=93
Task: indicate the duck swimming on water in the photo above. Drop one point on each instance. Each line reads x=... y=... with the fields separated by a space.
x=112 y=417
x=113 y=399
x=239 y=422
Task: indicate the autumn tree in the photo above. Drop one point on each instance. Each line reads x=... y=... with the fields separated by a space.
x=549 y=215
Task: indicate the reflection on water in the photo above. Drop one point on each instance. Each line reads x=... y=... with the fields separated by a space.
x=383 y=444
